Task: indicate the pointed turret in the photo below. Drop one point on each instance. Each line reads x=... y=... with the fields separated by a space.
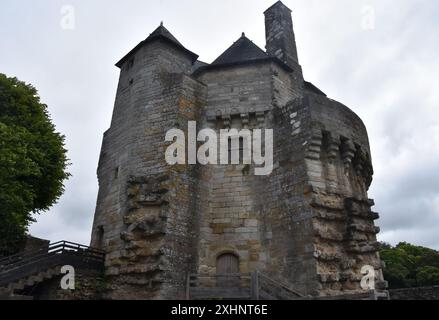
x=242 y=50
x=161 y=33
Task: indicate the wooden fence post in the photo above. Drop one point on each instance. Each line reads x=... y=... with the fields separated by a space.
x=255 y=285
x=188 y=285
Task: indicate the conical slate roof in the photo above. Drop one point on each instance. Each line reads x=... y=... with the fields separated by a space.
x=161 y=33
x=242 y=50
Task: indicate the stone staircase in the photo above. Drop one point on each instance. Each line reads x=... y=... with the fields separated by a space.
x=255 y=286
x=258 y=286
x=23 y=271
x=271 y=289
x=22 y=284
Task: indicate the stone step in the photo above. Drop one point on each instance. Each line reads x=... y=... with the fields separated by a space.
x=4 y=292
x=17 y=285
x=32 y=280
x=15 y=297
x=220 y=293
x=266 y=296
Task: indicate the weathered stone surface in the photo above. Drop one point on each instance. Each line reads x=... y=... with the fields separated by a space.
x=310 y=222
x=89 y=285
x=424 y=293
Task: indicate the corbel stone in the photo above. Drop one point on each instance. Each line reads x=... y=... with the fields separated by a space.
x=359 y=168
x=362 y=248
x=245 y=120
x=227 y=121
x=315 y=146
x=211 y=119
x=260 y=117
x=332 y=147
x=348 y=153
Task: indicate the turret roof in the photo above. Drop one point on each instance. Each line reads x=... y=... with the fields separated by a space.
x=161 y=33
x=242 y=50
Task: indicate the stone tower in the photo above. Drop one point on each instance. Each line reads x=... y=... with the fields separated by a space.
x=308 y=223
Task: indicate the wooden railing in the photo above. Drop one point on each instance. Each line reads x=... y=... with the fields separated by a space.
x=270 y=289
x=58 y=253
x=254 y=286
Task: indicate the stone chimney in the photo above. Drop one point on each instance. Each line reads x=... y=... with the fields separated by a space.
x=279 y=32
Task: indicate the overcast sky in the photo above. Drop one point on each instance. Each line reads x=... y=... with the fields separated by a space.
x=379 y=57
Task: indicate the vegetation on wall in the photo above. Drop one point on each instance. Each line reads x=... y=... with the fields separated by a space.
x=33 y=161
x=409 y=266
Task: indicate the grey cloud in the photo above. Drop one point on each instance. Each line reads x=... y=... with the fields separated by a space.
x=387 y=75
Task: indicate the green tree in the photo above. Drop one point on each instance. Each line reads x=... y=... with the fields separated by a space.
x=33 y=161
x=410 y=266
x=427 y=276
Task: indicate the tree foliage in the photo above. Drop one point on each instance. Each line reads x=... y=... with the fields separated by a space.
x=33 y=161
x=410 y=266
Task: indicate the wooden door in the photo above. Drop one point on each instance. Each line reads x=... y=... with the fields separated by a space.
x=227 y=264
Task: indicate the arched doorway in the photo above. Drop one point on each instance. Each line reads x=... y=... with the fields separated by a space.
x=227 y=269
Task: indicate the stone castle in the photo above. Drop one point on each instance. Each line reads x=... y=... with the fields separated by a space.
x=308 y=224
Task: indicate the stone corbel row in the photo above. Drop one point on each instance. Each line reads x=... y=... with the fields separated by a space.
x=225 y=120
x=332 y=147
x=352 y=155
x=339 y=147
x=347 y=149
x=315 y=145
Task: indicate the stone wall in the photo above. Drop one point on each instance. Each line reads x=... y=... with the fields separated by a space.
x=242 y=213
x=238 y=98
x=339 y=168
x=424 y=293
x=33 y=244
x=144 y=213
x=286 y=212
x=237 y=90
x=309 y=223
x=89 y=285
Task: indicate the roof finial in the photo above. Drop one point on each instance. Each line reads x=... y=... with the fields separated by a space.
x=161 y=23
x=243 y=35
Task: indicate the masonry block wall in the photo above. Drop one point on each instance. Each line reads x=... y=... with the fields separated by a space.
x=238 y=98
x=308 y=223
x=144 y=209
